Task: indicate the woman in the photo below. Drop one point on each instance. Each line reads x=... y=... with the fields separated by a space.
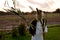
x=39 y=29
x=39 y=32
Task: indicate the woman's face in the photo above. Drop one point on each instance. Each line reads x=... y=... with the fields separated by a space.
x=43 y=15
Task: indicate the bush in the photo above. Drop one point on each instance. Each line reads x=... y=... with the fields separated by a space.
x=14 y=32
x=2 y=35
x=22 y=29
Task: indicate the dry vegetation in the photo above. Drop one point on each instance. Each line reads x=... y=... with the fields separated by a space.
x=14 y=20
x=53 y=18
x=7 y=20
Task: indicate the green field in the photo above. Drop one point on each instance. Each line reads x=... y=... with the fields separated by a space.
x=53 y=34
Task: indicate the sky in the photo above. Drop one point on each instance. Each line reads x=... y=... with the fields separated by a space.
x=24 y=5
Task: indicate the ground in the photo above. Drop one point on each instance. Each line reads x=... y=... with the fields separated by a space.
x=52 y=34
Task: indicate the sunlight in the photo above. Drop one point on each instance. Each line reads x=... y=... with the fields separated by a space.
x=40 y=1
x=46 y=5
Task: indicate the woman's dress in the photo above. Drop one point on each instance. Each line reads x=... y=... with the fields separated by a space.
x=39 y=32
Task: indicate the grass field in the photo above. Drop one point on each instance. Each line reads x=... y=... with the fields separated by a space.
x=53 y=34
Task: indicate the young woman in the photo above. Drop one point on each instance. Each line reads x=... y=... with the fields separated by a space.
x=37 y=33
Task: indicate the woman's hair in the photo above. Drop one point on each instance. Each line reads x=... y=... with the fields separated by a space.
x=39 y=14
x=32 y=29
